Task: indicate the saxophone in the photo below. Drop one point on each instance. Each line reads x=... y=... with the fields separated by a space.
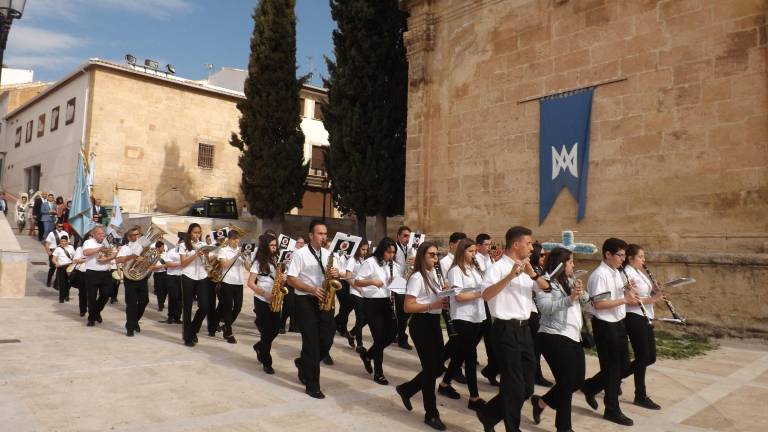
x=278 y=289
x=330 y=286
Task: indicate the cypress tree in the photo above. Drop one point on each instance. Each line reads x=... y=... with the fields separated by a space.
x=366 y=111
x=271 y=141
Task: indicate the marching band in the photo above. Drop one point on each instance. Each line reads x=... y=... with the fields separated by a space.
x=399 y=290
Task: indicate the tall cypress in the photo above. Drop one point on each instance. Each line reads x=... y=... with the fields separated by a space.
x=271 y=141
x=366 y=111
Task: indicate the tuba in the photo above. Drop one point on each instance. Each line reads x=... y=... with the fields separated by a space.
x=278 y=289
x=139 y=269
x=330 y=286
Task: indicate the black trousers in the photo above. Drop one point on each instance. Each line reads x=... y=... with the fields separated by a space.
x=533 y=324
x=212 y=318
x=78 y=279
x=62 y=283
x=383 y=328
x=230 y=305
x=513 y=346
x=360 y=319
x=173 y=286
x=97 y=282
x=613 y=353
x=40 y=229
x=566 y=360
x=345 y=307
x=289 y=306
x=317 y=328
x=491 y=369
x=466 y=353
x=268 y=323
x=402 y=319
x=643 y=340
x=136 y=300
x=191 y=288
x=428 y=339
x=161 y=290
x=115 y=288
x=51 y=271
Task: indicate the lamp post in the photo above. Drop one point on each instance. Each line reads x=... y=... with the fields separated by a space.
x=9 y=11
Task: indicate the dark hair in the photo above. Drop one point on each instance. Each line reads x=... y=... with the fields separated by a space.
x=632 y=250
x=363 y=242
x=455 y=237
x=458 y=257
x=271 y=232
x=59 y=200
x=301 y=237
x=159 y=243
x=536 y=254
x=264 y=256
x=418 y=264
x=188 y=236
x=401 y=229
x=515 y=233
x=64 y=237
x=481 y=238
x=613 y=245
x=384 y=244
x=315 y=223
x=556 y=256
x=232 y=234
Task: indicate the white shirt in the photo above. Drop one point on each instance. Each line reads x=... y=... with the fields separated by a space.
x=91 y=262
x=515 y=300
x=51 y=239
x=401 y=258
x=78 y=255
x=172 y=255
x=423 y=294
x=370 y=269
x=196 y=269
x=304 y=266
x=353 y=266
x=62 y=257
x=643 y=287
x=484 y=261
x=473 y=310
x=161 y=269
x=132 y=248
x=607 y=279
x=235 y=274
x=445 y=263
x=264 y=281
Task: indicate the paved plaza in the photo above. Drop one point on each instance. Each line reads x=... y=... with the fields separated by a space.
x=64 y=376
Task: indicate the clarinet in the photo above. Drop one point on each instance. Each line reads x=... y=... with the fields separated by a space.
x=446 y=315
x=391 y=293
x=663 y=296
x=629 y=288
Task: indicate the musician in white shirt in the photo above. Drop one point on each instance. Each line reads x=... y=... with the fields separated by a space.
x=404 y=259
x=159 y=277
x=231 y=286
x=51 y=243
x=136 y=292
x=261 y=281
x=306 y=274
x=639 y=330
x=194 y=283
x=62 y=257
x=485 y=261
x=77 y=279
x=355 y=337
x=171 y=260
x=373 y=278
x=608 y=327
x=98 y=277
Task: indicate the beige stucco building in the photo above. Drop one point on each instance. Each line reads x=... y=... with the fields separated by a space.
x=679 y=148
x=163 y=141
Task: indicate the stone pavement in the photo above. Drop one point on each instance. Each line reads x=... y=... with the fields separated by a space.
x=64 y=376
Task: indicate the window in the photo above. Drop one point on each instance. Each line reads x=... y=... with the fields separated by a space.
x=41 y=125
x=54 y=119
x=318 y=161
x=18 y=137
x=301 y=107
x=318 y=111
x=28 y=133
x=205 y=156
x=70 y=113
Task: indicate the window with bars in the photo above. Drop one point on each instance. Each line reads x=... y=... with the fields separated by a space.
x=205 y=156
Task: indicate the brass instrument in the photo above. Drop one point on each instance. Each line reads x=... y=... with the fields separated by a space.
x=139 y=269
x=409 y=268
x=628 y=287
x=677 y=318
x=278 y=289
x=70 y=268
x=108 y=247
x=117 y=274
x=330 y=286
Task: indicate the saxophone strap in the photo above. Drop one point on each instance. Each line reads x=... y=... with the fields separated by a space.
x=318 y=259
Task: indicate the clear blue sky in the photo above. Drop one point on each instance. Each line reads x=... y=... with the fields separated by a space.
x=54 y=36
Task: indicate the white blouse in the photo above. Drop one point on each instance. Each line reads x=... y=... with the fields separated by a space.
x=370 y=269
x=472 y=310
x=264 y=281
x=423 y=293
x=644 y=287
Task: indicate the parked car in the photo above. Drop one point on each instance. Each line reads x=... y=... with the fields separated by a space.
x=213 y=207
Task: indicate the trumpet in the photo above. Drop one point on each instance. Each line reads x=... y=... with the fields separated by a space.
x=628 y=287
x=657 y=286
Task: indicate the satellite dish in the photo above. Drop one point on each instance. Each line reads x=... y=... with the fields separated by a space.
x=170 y=68
x=130 y=59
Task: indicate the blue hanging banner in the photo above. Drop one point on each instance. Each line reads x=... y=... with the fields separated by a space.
x=564 y=148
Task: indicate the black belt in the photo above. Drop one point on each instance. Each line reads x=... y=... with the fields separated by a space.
x=514 y=322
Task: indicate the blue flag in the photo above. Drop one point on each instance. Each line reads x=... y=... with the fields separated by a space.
x=81 y=215
x=564 y=148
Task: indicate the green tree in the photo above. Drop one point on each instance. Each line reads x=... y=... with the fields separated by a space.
x=366 y=111
x=271 y=142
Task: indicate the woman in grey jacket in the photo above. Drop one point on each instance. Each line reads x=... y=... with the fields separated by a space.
x=560 y=338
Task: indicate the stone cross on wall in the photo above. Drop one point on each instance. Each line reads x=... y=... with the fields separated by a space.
x=568 y=243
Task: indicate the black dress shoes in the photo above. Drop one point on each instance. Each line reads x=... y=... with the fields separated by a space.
x=302 y=378
x=328 y=360
x=137 y=328
x=90 y=324
x=435 y=423
x=476 y=404
x=351 y=340
x=487 y=426
x=129 y=332
x=82 y=314
x=194 y=338
x=268 y=370
x=647 y=403
x=448 y=391
x=366 y=362
x=537 y=410
x=380 y=379
x=491 y=379
x=459 y=377
x=99 y=319
x=590 y=398
x=543 y=382
x=406 y=400
x=317 y=394
x=618 y=418
x=405 y=346
x=231 y=339
x=177 y=321
x=189 y=343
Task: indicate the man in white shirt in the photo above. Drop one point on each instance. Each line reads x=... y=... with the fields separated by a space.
x=52 y=241
x=306 y=273
x=508 y=288
x=447 y=261
x=608 y=326
x=62 y=257
x=404 y=260
x=98 y=277
x=136 y=292
x=484 y=261
x=445 y=264
x=172 y=262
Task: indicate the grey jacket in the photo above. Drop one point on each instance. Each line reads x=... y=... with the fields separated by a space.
x=553 y=307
